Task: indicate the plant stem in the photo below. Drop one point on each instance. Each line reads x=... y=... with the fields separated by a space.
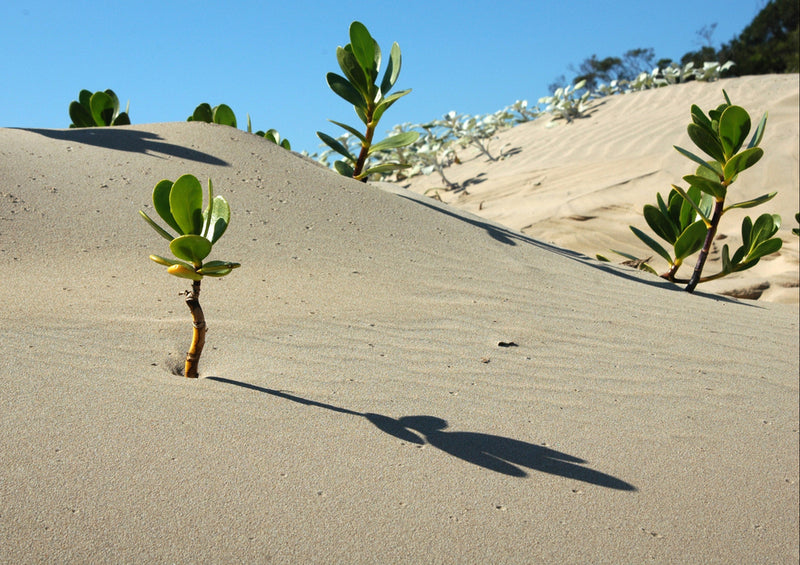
x=199 y=333
x=701 y=259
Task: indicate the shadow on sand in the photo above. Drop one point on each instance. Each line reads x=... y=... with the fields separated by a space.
x=495 y=453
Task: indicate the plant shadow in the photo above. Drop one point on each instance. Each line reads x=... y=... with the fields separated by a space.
x=500 y=454
x=127 y=139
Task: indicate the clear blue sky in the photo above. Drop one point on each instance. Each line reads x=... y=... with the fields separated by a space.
x=269 y=58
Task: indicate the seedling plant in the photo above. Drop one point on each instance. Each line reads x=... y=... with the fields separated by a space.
x=689 y=219
x=360 y=62
x=180 y=205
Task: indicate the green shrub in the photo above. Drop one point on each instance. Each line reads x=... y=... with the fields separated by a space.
x=98 y=109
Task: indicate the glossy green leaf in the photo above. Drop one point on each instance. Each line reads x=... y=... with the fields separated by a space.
x=693 y=205
x=652 y=244
x=102 y=107
x=759 y=133
x=706 y=141
x=764 y=228
x=192 y=248
x=352 y=130
x=366 y=50
x=752 y=203
x=699 y=118
x=691 y=240
x=734 y=125
x=122 y=120
x=712 y=187
x=382 y=168
x=161 y=204
x=346 y=90
x=765 y=248
x=220 y=218
x=80 y=116
x=168 y=262
x=344 y=168
x=159 y=230
x=335 y=145
x=399 y=140
x=186 y=204
x=699 y=160
x=203 y=113
x=662 y=225
x=353 y=71
x=184 y=272
x=384 y=104
x=224 y=115
x=742 y=161
x=392 y=69
x=727 y=265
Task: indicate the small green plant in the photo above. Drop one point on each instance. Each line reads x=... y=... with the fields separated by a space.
x=180 y=205
x=220 y=114
x=98 y=109
x=270 y=135
x=689 y=219
x=360 y=62
x=565 y=102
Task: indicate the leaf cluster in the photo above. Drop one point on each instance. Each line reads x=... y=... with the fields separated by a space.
x=180 y=205
x=360 y=62
x=97 y=110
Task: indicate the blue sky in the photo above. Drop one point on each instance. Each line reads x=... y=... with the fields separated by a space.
x=269 y=59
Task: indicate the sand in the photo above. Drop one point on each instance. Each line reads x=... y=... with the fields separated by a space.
x=386 y=379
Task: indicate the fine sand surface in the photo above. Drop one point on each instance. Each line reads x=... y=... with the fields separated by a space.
x=579 y=185
x=356 y=404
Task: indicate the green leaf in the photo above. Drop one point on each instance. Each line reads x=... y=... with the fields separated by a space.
x=80 y=116
x=382 y=168
x=219 y=219
x=752 y=203
x=352 y=130
x=662 y=225
x=168 y=262
x=344 y=168
x=399 y=140
x=186 y=204
x=699 y=160
x=102 y=107
x=742 y=161
x=159 y=230
x=699 y=118
x=759 y=133
x=366 y=50
x=384 y=104
x=121 y=120
x=765 y=248
x=192 y=248
x=161 y=204
x=706 y=141
x=734 y=125
x=346 y=90
x=392 y=69
x=217 y=268
x=224 y=115
x=336 y=145
x=712 y=187
x=203 y=113
x=353 y=71
x=691 y=203
x=691 y=240
x=652 y=244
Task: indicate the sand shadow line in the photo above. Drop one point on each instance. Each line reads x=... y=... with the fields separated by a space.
x=496 y=453
x=126 y=139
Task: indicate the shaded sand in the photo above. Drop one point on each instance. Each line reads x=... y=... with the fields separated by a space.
x=580 y=185
x=356 y=404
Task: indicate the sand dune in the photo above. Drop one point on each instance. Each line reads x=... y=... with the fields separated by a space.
x=386 y=379
x=580 y=185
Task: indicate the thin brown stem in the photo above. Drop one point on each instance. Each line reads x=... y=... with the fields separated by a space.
x=701 y=259
x=199 y=333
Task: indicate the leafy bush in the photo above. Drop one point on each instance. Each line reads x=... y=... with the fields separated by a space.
x=689 y=219
x=565 y=102
x=360 y=62
x=98 y=109
x=180 y=205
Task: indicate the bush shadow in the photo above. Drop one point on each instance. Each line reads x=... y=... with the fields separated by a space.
x=500 y=454
x=127 y=139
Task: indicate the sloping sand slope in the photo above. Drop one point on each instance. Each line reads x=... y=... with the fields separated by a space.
x=356 y=404
x=580 y=185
